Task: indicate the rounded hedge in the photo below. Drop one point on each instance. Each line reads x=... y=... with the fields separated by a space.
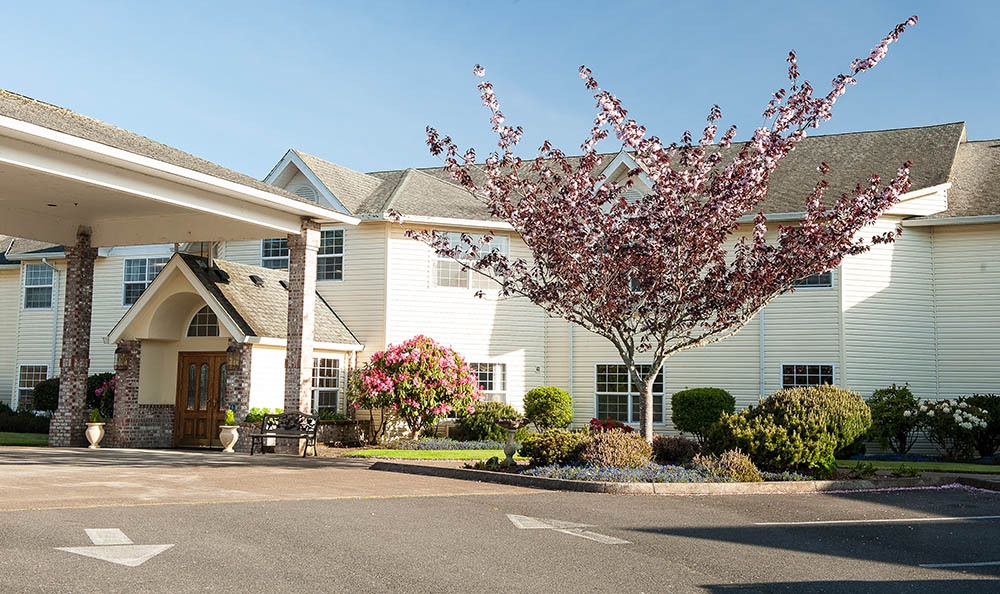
x=795 y=429
x=548 y=407
x=45 y=396
x=483 y=425
x=617 y=449
x=555 y=446
x=697 y=409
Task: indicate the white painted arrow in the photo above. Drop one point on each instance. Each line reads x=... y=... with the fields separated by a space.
x=112 y=545
x=571 y=528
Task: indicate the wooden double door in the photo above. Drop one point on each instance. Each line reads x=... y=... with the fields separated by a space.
x=201 y=398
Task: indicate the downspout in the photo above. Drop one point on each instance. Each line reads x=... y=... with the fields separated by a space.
x=760 y=354
x=55 y=314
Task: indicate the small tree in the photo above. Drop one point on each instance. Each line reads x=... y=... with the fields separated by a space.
x=696 y=409
x=45 y=396
x=894 y=417
x=419 y=381
x=660 y=274
x=548 y=407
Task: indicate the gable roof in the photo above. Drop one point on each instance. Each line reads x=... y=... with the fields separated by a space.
x=975 y=191
x=13 y=248
x=262 y=310
x=852 y=157
x=349 y=186
x=59 y=119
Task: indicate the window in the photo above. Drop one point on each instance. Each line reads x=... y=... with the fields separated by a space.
x=37 y=286
x=619 y=398
x=326 y=385
x=330 y=262
x=492 y=379
x=139 y=272
x=449 y=272
x=795 y=375
x=823 y=279
x=274 y=254
x=28 y=376
x=204 y=323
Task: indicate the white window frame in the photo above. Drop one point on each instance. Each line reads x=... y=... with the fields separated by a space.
x=18 y=388
x=206 y=323
x=820 y=287
x=265 y=260
x=162 y=261
x=338 y=381
x=632 y=394
x=472 y=279
x=821 y=364
x=35 y=285
x=498 y=371
x=333 y=256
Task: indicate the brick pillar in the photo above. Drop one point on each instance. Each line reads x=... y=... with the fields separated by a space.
x=238 y=382
x=122 y=432
x=69 y=420
x=302 y=250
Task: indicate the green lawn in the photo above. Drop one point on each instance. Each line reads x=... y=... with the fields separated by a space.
x=926 y=466
x=24 y=439
x=428 y=454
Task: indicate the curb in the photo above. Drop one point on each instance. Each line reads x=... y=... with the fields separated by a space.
x=766 y=488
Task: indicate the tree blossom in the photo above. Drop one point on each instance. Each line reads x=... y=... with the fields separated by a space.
x=661 y=274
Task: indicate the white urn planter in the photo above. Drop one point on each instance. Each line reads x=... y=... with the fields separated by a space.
x=228 y=435
x=95 y=433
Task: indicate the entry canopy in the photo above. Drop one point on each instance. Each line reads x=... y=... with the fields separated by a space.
x=60 y=171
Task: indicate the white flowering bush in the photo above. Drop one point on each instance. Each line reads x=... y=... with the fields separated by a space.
x=952 y=425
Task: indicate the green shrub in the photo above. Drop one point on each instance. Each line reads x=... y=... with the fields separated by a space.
x=674 y=449
x=483 y=425
x=45 y=396
x=256 y=414
x=95 y=416
x=617 y=449
x=548 y=407
x=22 y=422
x=331 y=415
x=987 y=439
x=555 y=446
x=230 y=419
x=795 y=429
x=894 y=418
x=697 y=409
x=952 y=425
x=101 y=393
x=732 y=465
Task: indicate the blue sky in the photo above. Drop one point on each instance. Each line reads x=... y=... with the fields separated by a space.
x=239 y=83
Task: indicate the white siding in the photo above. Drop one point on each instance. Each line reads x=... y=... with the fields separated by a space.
x=488 y=330
x=889 y=314
x=967 y=286
x=10 y=287
x=242 y=252
x=35 y=326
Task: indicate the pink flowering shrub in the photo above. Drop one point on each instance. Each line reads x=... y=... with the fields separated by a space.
x=418 y=381
x=609 y=424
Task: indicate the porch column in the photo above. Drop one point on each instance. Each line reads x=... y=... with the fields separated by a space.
x=124 y=426
x=69 y=420
x=302 y=251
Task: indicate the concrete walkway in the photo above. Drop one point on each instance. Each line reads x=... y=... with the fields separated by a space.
x=48 y=478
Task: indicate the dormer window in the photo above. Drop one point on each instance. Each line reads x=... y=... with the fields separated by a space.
x=204 y=323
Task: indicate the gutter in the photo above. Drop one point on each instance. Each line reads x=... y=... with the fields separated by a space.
x=415 y=219
x=975 y=220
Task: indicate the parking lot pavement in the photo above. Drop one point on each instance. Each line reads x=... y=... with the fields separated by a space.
x=39 y=478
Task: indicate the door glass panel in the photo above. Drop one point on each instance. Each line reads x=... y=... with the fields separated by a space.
x=203 y=388
x=192 y=385
x=222 y=387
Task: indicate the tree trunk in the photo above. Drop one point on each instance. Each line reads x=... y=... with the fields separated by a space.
x=647 y=410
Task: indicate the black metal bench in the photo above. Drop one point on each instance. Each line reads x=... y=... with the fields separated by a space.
x=287 y=425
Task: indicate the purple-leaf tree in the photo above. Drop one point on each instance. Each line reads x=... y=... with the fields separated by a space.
x=673 y=269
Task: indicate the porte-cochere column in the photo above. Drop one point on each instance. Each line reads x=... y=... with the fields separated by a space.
x=302 y=251
x=69 y=420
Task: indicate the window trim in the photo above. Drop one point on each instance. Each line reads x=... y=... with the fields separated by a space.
x=340 y=378
x=342 y=255
x=663 y=373
x=148 y=280
x=502 y=394
x=17 y=383
x=468 y=271
x=833 y=282
x=781 y=373
x=25 y=286
x=263 y=258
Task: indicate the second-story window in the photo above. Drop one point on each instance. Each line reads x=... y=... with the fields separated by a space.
x=138 y=273
x=37 y=286
x=274 y=253
x=330 y=260
x=449 y=272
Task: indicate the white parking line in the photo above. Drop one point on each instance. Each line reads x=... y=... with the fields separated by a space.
x=947 y=565
x=879 y=521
